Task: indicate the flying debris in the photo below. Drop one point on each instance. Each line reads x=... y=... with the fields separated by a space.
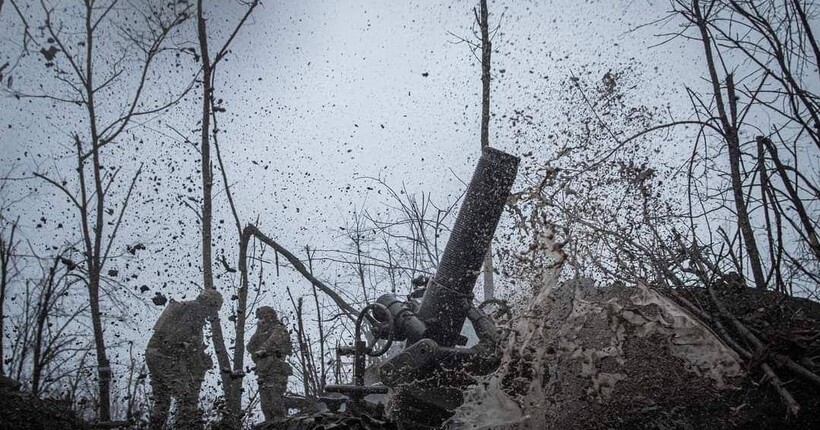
x=159 y=299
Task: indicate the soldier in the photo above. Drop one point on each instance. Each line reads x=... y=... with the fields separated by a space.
x=269 y=348
x=177 y=360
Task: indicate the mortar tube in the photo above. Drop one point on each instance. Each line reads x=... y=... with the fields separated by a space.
x=449 y=296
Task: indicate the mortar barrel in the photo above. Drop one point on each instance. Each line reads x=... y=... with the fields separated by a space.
x=447 y=299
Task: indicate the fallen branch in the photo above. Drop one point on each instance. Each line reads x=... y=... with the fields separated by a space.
x=788 y=399
x=722 y=332
x=744 y=331
x=689 y=305
x=791 y=404
x=297 y=264
x=755 y=341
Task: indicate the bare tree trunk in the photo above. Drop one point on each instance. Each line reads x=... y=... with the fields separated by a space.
x=297 y=307
x=24 y=338
x=242 y=302
x=319 y=323
x=307 y=372
x=774 y=270
x=231 y=418
x=794 y=196
x=743 y=221
x=42 y=316
x=486 y=52
x=79 y=76
x=205 y=150
x=6 y=250
x=103 y=365
x=231 y=376
x=94 y=260
x=730 y=134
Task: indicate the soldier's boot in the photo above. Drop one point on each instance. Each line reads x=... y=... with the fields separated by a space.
x=162 y=402
x=160 y=391
x=188 y=416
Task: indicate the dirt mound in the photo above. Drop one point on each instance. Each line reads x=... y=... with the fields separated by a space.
x=21 y=411
x=788 y=329
x=627 y=358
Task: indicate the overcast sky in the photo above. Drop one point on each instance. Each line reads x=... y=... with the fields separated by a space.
x=321 y=93
x=352 y=89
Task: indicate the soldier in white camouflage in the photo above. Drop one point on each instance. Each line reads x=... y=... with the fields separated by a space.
x=269 y=348
x=177 y=360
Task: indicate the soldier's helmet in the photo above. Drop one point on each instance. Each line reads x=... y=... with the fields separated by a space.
x=266 y=313
x=211 y=299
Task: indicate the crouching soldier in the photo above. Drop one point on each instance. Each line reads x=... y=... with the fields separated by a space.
x=269 y=348
x=177 y=360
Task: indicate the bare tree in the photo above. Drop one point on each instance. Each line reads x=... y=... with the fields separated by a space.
x=483 y=18
x=8 y=244
x=112 y=88
x=231 y=384
x=485 y=36
x=409 y=234
x=743 y=196
x=309 y=373
x=322 y=370
x=7 y=69
x=136 y=405
x=48 y=324
x=763 y=109
x=729 y=132
x=484 y=46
